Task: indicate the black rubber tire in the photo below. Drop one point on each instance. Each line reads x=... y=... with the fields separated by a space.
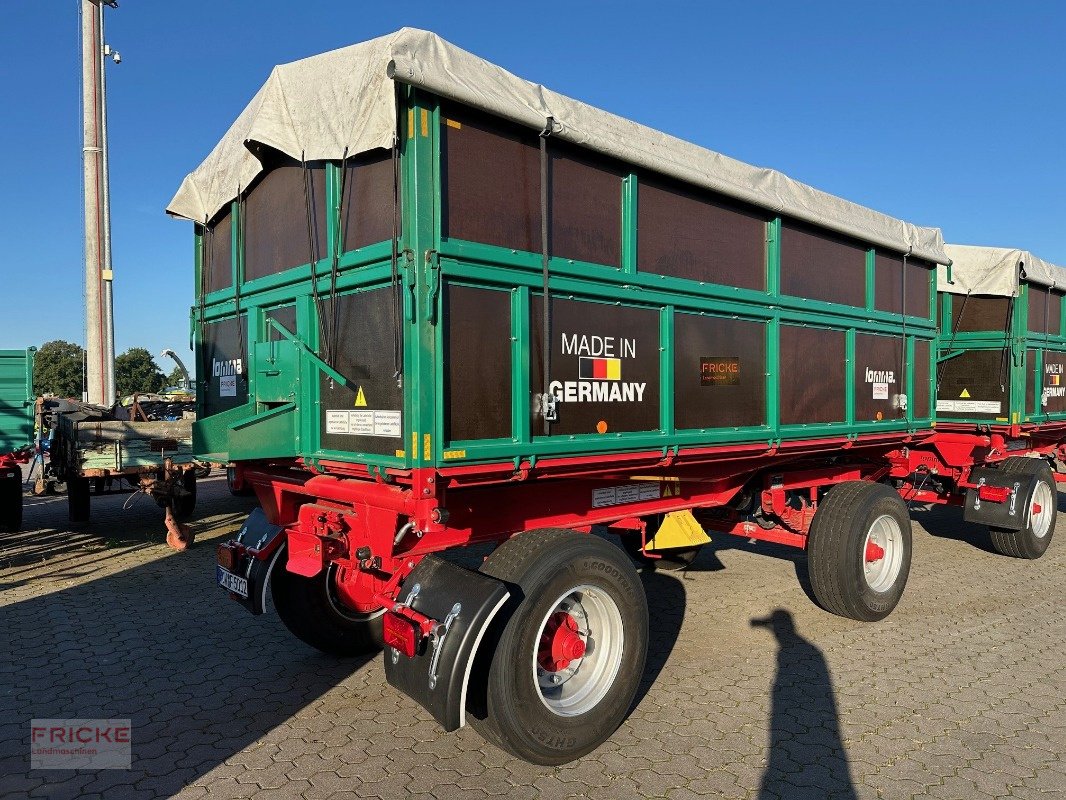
x=185 y=504
x=245 y=491
x=11 y=504
x=836 y=555
x=1025 y=543
x=506 y=706
x=78 y=499
x=313 y=615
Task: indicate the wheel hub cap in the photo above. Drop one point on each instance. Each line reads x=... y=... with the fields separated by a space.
x=560 y=643
x=578 y=650
x=882 y=553
x=874 y=552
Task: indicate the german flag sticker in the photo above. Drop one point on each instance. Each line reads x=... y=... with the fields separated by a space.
x=600 y=369
x=1053 y=380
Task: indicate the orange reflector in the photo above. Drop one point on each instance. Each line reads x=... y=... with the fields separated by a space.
x=400 y=633
x=225 y=556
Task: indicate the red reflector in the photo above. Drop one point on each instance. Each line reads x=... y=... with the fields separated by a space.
x=400 y=633
x=225 y=556
x=996 y=494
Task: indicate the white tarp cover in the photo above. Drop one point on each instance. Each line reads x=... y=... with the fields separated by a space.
x=995 y=271
x=344 y=100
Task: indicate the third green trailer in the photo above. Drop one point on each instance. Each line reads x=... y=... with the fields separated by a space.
x=1002 y=345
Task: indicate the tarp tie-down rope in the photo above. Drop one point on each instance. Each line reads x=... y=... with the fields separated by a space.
x=241 y=239
x=1008 y=346
x=951 y=342
x=903 y=353
x=334 y=264
x=312 y=252
x=397 y=339
x=545 y=256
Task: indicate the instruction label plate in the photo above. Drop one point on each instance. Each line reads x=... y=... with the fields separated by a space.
x=970 y=406
x=364 y=423
x=627 y=493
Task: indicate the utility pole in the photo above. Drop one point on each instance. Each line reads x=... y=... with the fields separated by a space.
x=99 y=322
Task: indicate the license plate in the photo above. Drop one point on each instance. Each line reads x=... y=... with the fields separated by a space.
x=233 y=583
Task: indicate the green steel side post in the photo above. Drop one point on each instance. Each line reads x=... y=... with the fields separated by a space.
x=520 y=391
x=773 y=373
x=629 y=223
x=908 y=380
x=871 y=278
x=256 y=331
x=334 y=245
x=773 y=329
x=849 y=377
x=309 y=400
x=422 y=229
x=1018 y=343
x=932 y=296
x=1038 y=383
x=1062 y=317
x=666 y=370
x=773 y=257
x=198 y=262
x=236 y=244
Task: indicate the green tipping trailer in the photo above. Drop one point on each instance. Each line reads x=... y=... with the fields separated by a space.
x=1002 y=346
x=437 y=305
x=16 y=430
x=92 y=452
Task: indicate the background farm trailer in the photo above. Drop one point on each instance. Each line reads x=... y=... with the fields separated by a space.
x=16 y=431
x=1001 y=391
x=93 y=451
x=450 y=307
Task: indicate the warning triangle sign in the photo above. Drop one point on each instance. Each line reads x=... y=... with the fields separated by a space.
x=965 y=393
x=360 y=398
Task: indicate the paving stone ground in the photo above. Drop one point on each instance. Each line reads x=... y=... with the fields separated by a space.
x=961 y=693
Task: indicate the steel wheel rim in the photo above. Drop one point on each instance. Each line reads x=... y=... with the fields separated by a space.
x=1040 y=521
x=339 y=608
x=584 y=682
x=886 y=535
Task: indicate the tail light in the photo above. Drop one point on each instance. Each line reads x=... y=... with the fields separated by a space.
x=994 y=494
x=400 y=633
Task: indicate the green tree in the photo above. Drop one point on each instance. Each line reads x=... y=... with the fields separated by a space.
x=57 y=369
x=175 y=377
x=136 y=371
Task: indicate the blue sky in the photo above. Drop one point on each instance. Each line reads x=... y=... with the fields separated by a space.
x=944 y=114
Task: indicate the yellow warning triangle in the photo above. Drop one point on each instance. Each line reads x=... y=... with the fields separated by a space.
x=965 y=393
x=360 y=398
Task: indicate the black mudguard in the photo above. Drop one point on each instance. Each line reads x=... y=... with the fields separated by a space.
x=1010 y=514
x=260 y=535
x=466 y=603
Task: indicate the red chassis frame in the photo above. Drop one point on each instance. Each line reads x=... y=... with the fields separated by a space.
x=375 y=527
